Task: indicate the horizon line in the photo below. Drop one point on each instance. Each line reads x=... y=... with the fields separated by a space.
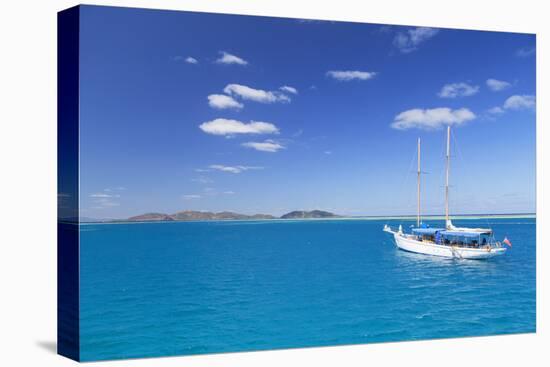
x=387 y=216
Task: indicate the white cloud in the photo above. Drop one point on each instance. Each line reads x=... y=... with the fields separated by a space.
x=347 y=75
x=497 y=85
x=223 y=126
x=408 y=41
x=233 y=169
x=256 y=95
x=221 y=101
x=105 y=203
x=495 y=110
x=429 y=119
x=289 y=89
x=202 y=179
x=191 y=60
x=526 y=52
x=103 y=195
x=298 y=133
x=265 y=146
x=518 y=102
x=119 y=188
x=227 y=58
x=191 y=197
x=102 y=203
x=107 y=198
x=207 y=192
x=454 y=90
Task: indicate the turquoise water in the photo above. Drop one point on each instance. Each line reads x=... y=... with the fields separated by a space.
x=156 y=289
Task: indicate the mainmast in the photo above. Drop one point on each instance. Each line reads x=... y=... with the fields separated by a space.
x=448 y=161
x=418 y=188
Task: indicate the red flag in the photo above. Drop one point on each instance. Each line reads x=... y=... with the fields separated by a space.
x=507 y=241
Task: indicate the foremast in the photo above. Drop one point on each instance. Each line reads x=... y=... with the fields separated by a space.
x=418 y=219
x=448 y=223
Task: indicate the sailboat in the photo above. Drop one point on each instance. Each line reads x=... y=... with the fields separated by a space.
x=447 y=241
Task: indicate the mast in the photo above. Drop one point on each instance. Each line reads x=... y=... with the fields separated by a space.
x=418 y=188
x=448 y=161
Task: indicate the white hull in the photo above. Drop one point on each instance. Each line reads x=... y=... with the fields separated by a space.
x=410 y=244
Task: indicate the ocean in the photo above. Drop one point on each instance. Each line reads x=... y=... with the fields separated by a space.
x=183 y=288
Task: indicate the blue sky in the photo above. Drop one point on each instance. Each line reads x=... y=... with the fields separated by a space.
x=267 y=115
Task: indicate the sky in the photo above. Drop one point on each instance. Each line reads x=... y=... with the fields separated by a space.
x=195 y=111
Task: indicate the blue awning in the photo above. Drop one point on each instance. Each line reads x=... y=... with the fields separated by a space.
x=461 y=234
x=427 y=231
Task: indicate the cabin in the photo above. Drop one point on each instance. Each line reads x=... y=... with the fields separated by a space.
x=442 y=236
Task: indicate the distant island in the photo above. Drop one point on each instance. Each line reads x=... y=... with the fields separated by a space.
x=194 y=215
x=309 y=214
x=188 y=215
